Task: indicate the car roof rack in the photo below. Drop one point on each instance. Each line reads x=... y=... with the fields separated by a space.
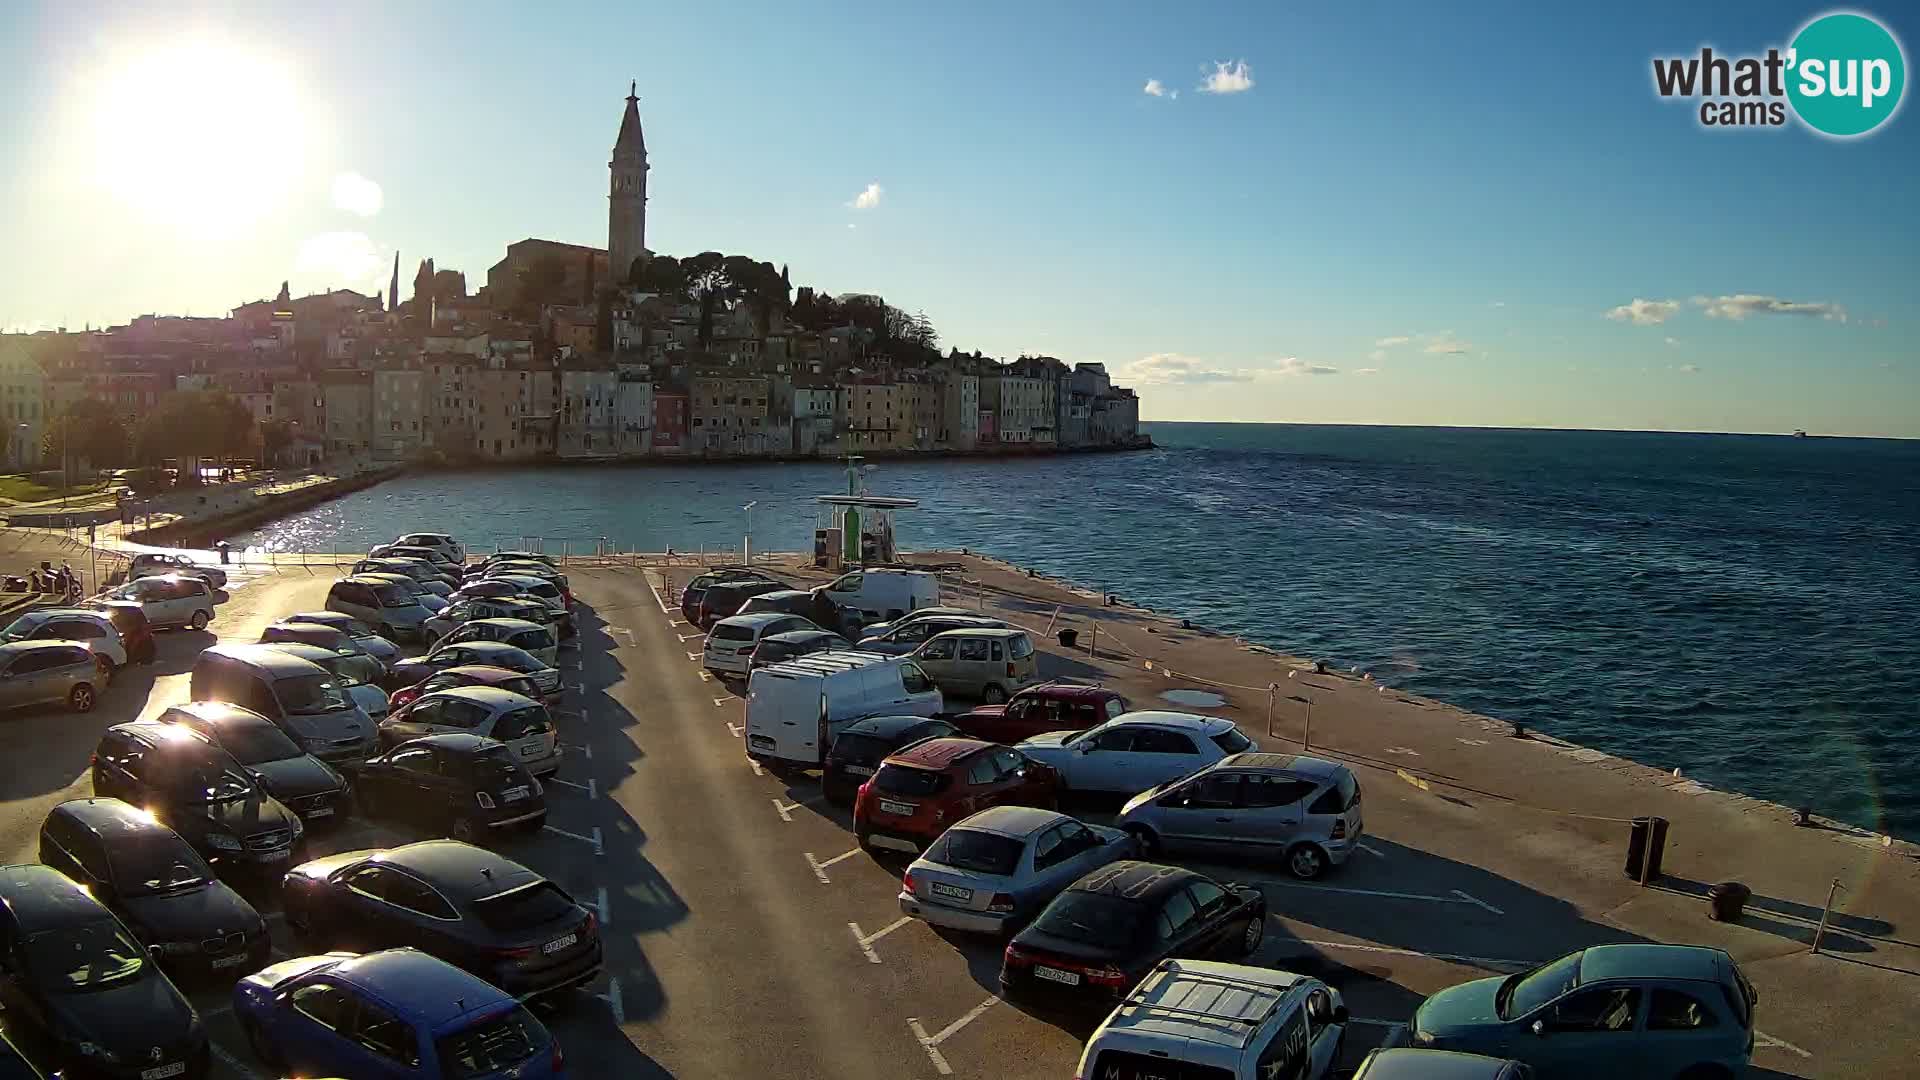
x=1251 y=1022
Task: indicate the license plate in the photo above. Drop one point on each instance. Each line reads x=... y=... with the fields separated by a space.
x=162 y=1071
x=234 y=960
x=557 y=944
x=532 y=751
x=857 y=770
x=761 y=742
x=514 y=794
x=320 y=811
x=904 y=809
x=278 y=855
x=1064 y=978
x=955 y=892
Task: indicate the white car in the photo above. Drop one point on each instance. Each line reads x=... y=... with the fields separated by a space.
x=89 y=628
x=1202 y=1018
x=169 y=600
x=1134 y=751
x=441 y=542
x=731 y=642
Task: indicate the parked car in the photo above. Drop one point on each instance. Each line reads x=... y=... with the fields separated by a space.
x=366 y=665
x=1203 y=1019
x=390 y=607
x=468 y=785
x=879 y=629
x=91 y=629
x=521 y=723
x=789 y=644
x=136 y=633
x=1050 y=706
x=987 y=664
x=475 y=909
x=1406 y=1063
x=380 y=648
x=471 y=675
x=74 y=974
x=512 y=556
x=169 y=600
x=910 y=634
x=537 y=570
x=411 y=1015
x=302 y=782
x=48 y=672
x=304 y=699
x=462 y=612
x=149 y=876
x=873 y=595
x=487 y=653
x=996 y=869
x=431 y=595
x=557 y=599
x=418 y=570
x=157 y=563
x=864 y=744
x=1135 y=751
x=1101 y=937
x=1605 y=1011
x=782 y=602
x=187 y=780
x=442 y=542
x=918 y=792
x=723 y=598
x=1301 y=811
x=441 y=562
x=518 y=633
x=797 y=708
x=731 y=641
x=486 y=588
x=356 y=673
x=695 y=590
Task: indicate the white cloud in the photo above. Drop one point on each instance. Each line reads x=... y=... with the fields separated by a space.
x=1228 y=78
x=1377 y=355
x=357 y=195
x=1155 y=87
x=1366 y=371
x=346 y=260
x=1293 y=365
x=1645 y=312
x=1445 y=344
x=868 y=198
x=1499 y=303
x=1741 y=305
x=1166 y=368
x=1391 y=342
x=1690 y=369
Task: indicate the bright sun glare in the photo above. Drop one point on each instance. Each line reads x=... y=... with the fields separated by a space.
x=197 y=133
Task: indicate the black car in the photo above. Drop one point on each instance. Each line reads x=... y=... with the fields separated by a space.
x=695 y=589
x=791 y=643
x=486 y=653
x=1101 y=936
x=466 y=905
x=863 y=745
x=468 y=785
x=303 y=783
x=89 y=995
x=146 y=874
x=198 y=789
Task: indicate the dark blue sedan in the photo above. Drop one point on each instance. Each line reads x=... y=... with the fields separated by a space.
x=388 y=1015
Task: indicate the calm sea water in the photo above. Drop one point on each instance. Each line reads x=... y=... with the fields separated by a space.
x=1742 y=607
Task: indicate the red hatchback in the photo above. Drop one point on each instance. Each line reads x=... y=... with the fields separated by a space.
x=921 y=790
x=1050 y=706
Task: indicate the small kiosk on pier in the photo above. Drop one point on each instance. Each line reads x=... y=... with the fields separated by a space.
x=856 y=529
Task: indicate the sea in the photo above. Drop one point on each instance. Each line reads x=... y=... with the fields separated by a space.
x=1745 y=608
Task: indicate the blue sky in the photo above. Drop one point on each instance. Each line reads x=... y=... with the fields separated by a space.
x=1487 y=185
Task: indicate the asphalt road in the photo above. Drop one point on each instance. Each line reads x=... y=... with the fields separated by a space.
x=747 y=936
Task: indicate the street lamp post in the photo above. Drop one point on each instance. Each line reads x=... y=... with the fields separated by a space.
x=746 y=544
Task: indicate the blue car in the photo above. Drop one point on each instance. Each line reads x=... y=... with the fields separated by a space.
x=388 y=1015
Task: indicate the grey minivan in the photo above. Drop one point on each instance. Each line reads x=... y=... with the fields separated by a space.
x=302 y=697
x=1302 y=810
x=38 y=672
x=988 y=663
x=389 y=607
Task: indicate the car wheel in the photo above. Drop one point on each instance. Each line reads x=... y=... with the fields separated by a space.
x=1256 y=932
x=860 y=839
x=199 y=620
x=1306 y=861
x=1147 y=840
x=263 y=1047
x=80 y=699
x=993 y=695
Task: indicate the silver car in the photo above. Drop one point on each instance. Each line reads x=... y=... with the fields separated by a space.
x=461 y=612
x=1302 y=811
x=997 y=869
x=38 y=672
x=382 y=649
x=522 y=723
x=518 y=633
x=423 y=592
x=370 y=668
x=352 y=672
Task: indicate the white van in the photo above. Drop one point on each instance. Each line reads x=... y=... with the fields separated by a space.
x=870 y=596
x=796 y=708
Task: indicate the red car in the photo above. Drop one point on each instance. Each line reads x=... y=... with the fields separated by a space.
x=466 y=675
x=1050 y=706
x=921 y=790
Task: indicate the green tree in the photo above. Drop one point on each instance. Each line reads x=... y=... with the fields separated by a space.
x=661 y=274
x=89 y=430
x=275 y=437
x=707 y=282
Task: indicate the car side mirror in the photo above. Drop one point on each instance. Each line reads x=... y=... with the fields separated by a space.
x=156 y=952
x=1085 y=747
x=1538 y=1027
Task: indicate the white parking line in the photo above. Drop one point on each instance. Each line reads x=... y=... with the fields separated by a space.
x=931 y=1043
x=1452 y=958
x=605 y=912
x=865 y=941
x=587 y=749
x=598 y=847
x=1458 y=897
x=579 y=688
x=658 y=600
x=684 y=638
x=1370 y=849
x=1476 y=900
x=612 y=998
x=757 y=770
x=820 y=868
x=705 y=675
x=785 y=810
x=694 y=656
x=590 y=787
x=722 y=702
x=227 y=1058
x=1764 y=1039
x=734 y=729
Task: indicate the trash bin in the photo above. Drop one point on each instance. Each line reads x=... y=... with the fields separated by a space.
x=1645 y=843
x=1068 y=637
x=1727 y=900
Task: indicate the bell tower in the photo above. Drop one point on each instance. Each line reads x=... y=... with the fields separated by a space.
x=627 y=194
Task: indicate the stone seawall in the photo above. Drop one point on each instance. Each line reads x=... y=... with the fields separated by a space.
x=203 y=531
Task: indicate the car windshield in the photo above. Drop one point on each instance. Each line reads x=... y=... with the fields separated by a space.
x=1527 y=991
x=1093 y=918
x=345 y=667
x=209 y=781
x=732 y=632
x=308 y=694
x=20 y=629
x=906 y=780
x=492 y=1045
x=252 y=744
x=1232 y=741
x=981 y=852
x=153 y=866
x=531 y=639
x=523 y=687
x=853 y=746
x=394 y=595
x=492 y=768
x=525 y=907
x=79 y=958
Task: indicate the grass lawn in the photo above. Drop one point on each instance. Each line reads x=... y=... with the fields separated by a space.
x=25 y=489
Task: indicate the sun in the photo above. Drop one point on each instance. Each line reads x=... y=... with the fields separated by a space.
x=199 y=132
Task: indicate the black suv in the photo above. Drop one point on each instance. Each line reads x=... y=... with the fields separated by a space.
x=199 y=789
x=303 y=783
x=859 y=750
x=144 y=873
x=93 y=999
x=466 y=905
x=468 y=785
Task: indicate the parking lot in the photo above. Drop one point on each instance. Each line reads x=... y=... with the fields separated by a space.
x=747 y=935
